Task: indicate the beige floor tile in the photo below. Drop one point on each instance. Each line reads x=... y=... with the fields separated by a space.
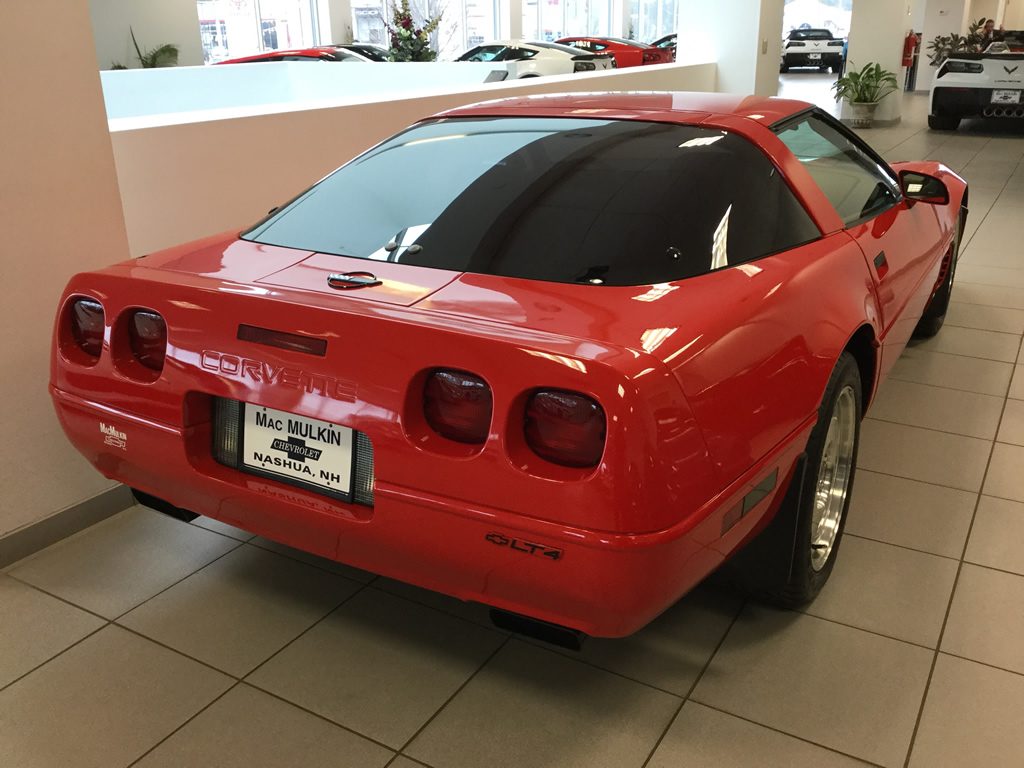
x=404 y=762
x=989 y=295
x=971 y=342
x=881 y=588
x=670 y=652
x=923 y=454
x=985 y=275
x=971 y=374
x=223 y=528
x=1011 y=428
x=986 y=620
x=910 y=513
x=947 y=410
x=702 y=737
x=36 y=627
x=103 y=703
x=475 y=612
x=840 y=687
x=237 y=612
x=985 y=318
x=1005 y=477
x=379 y=665
x=533 y=708
x=250 y=729
x=356 y=574
x=974 y=716
x=1017 y=387
x=115 y=565
x=997 y=535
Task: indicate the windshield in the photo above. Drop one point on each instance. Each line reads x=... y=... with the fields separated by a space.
x=569 y=200
x=810 y=34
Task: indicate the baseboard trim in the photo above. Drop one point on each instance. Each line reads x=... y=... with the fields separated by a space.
x=32 y=538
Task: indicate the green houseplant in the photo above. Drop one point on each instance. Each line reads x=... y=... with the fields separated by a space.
x=942 y=47
x=410 y=42
x=863 y=89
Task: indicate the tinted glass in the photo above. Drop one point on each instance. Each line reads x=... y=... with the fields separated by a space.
x=483 y=53
x=567 y=200
x=810 y=34
x=854 y=183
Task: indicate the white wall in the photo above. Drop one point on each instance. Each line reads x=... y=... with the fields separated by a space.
x=916 y=14
x=1013 y=16
x=155 y=22
x=743 y=36
x=982 y=8
x=183 y=180
x=61 y=214
x=941 y=17
x=339 y=21
x=877 y=30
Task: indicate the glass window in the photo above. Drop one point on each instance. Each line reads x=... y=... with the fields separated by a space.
x=233 y=28
x=484 y=53
x=854 y=182
x=651 y=19
x=569 y=200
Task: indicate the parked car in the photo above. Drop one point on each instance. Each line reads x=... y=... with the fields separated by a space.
x=366 y=50
x=321 y=53
x=985 y=84
x=812 y=48
x=627 y=53
x=534 y=59
x=602 y=344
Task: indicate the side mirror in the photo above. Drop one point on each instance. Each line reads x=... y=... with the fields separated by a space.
x=923 y=188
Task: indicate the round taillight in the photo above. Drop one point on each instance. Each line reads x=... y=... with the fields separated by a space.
x=457 y=405
x=87 y=326
x=566 y=428
x=147 y=336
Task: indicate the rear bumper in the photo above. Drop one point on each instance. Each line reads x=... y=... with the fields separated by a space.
x=601 y=583
x=971 y=102
x=805 y=60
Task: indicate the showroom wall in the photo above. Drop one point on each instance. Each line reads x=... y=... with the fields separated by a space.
x=154 y=21
x=61 y=214
x=1013 y=16
x=941 y=17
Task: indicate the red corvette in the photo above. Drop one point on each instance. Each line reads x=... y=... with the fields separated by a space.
x=627 y=53
x=321 y=53
x=602 y=345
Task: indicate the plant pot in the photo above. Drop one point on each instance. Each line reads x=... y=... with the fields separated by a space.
x=863 y=113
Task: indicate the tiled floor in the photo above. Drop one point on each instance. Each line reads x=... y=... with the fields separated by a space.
x=146 y=641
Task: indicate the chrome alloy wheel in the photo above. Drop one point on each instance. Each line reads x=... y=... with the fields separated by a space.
x=834 y=474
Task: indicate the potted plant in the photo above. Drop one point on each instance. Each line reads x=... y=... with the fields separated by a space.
x=410 y=42
x=863 y=89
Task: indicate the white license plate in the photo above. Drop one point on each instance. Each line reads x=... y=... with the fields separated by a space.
x=1006 y=97
x=298 y=449
x=813 y=55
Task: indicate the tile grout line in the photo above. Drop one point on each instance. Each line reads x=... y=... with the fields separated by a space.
x=444 y=705
x=996 y=200
x=978 y=491
x=949 y=608
x=696 y=682
x=932 y=429
x=57 y=655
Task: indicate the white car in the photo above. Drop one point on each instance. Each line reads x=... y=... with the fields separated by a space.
x=812 y=48
x=988 y=84
x=532 y=59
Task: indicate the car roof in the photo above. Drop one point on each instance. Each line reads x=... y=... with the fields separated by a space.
x=765 y=110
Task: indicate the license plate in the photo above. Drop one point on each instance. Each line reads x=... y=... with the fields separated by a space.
x=813 y=55
x=297 y=449
x=1006 y=97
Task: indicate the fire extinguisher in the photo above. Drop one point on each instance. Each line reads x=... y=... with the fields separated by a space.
x=909 y=47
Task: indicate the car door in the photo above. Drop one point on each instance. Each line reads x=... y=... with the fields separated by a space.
x=899 y=239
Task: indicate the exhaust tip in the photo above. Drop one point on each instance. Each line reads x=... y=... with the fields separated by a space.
x=555 y=634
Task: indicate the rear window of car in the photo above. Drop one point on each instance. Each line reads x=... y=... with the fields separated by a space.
x=810 y=34
x=611 y=202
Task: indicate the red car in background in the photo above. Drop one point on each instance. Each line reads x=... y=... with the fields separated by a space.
x=627 y=53
x=320 y=53
x=604 y=344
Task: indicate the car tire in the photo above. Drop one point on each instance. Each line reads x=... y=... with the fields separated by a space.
x=783 y=68
x=529 y=74
x=788 y=563
x=943 y=122
x=935 y=312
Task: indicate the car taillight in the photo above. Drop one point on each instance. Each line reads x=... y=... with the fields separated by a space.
x=565 y=427
x=147 y=336
x=650 y=56
x=87 y=326
x=457 y=405
x=584 y=66
x=796 y=45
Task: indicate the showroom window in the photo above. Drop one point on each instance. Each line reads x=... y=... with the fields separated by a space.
x=549 y=20
x=651 y=19
x=231 y=28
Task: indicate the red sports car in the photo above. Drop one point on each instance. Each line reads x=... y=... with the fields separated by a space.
x=321 y=53
x=598 y=346
x=627 y=53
